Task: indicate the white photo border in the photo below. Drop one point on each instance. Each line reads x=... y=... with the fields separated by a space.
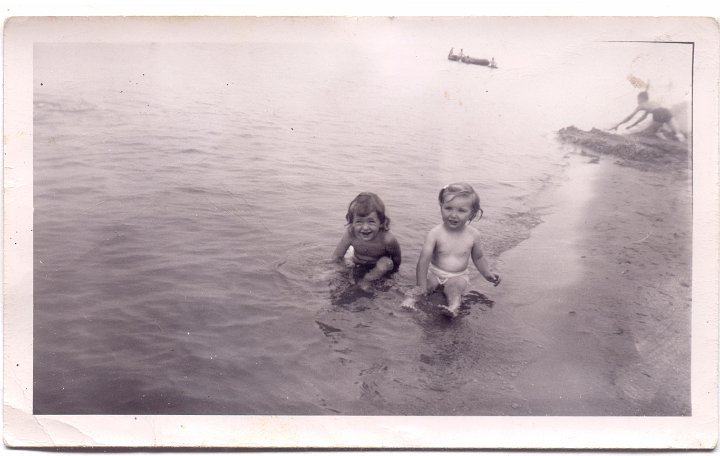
x=23 y=429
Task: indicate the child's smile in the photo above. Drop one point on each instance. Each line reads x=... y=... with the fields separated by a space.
x=457 y=212
x=366 y=227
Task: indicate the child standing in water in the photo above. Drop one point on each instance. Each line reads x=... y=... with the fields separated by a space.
x=376 y=252
x=448 y=247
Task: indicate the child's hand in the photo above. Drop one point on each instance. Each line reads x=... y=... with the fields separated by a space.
x=411 y=297
x=408 y=303
x=338 y=265
x=495 y=280
x=414 y=292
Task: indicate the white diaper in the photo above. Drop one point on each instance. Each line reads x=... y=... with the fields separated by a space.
x=443 y=276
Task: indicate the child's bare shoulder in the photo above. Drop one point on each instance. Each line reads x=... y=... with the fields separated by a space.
x=474 y=232
x=435 y=231
x=388 y=237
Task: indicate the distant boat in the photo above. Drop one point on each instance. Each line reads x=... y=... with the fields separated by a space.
x=470 y=60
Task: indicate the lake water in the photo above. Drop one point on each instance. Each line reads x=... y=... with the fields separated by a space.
x=187 y=198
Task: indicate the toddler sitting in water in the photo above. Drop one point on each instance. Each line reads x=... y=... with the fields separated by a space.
x=448 y=247
x=376 y=252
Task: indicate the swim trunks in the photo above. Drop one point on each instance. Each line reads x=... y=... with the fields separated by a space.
x=661 y=115
x=443 y=276
x=364 y=263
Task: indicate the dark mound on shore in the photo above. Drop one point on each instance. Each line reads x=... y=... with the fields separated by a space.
x=637 y=149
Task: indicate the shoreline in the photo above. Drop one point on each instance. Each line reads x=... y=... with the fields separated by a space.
x=601 y=290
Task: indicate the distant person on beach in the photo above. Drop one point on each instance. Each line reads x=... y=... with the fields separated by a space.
x=376 y=252
x=448 y=247
x=661 y=117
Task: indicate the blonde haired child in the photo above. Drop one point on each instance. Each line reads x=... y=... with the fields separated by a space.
x=448 y=247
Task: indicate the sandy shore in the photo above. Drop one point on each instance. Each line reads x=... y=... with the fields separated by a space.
x=601 y=290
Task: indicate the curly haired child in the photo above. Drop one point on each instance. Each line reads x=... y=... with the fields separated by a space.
x=376 y=252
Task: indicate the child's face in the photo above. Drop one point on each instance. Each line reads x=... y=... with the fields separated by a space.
x=456 y=212
x=366 y=227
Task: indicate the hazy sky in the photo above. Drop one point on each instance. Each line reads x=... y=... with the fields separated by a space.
x=575 y=70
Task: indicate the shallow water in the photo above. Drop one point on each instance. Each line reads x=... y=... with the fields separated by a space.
x=187 y=198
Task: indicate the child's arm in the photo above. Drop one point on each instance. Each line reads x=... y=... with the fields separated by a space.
x=640 y=119
x=392 y=246
x=478 y=259
x=342 y=246
x=626 y=119
x=423 y=264
x=421 y=272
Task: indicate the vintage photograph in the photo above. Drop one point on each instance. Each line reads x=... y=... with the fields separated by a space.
x=364 y=217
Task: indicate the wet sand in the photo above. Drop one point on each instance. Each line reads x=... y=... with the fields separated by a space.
x=601 y=289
